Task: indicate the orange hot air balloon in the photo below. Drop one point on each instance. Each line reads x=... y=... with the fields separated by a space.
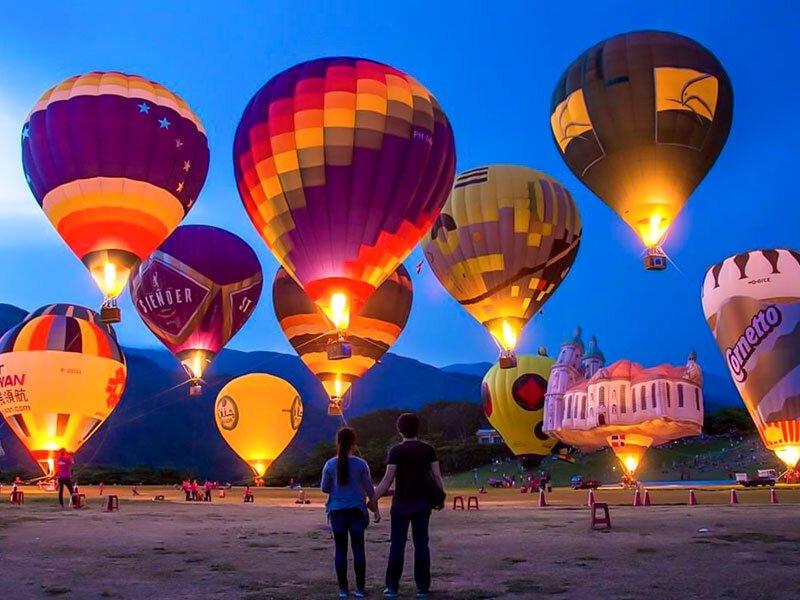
x=343 y=164
x=258 y=415
x=115 y=161
x=640 y=118
x=61 y=374
x=371 y=332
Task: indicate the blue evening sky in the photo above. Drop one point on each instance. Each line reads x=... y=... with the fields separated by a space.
x=493 y=66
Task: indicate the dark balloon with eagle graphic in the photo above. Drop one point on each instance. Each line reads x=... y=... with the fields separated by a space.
x=196 y=291
x=513 y=401
x=115 y=161
x=370 y=333
x=640 y=119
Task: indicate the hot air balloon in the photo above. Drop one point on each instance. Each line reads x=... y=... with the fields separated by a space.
x=640 y=119
x=513 y=401
x=343 y=164
x=258 y=416
x=591 y=405
x=115 y=161
x=504 y=241
x=752 y=306
x=195 y=292
x=371 y=332
x=61 y=374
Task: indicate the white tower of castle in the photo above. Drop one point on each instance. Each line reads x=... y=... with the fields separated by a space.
x=564 y=374
x=594 y=359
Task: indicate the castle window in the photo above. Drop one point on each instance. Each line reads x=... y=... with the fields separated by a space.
x=680 y=396
x=569 y=406
x=697 y=398
x=602 y=395
x=622 y=408
x=633 y=404
x=583 y=407
x=654 y=395
x=644 y=398
x=669 y=400
x=613 y=409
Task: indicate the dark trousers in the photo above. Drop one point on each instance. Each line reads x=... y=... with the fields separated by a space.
x=349 y=522
x=422 y=556
x=207 y=496
x=64 y=483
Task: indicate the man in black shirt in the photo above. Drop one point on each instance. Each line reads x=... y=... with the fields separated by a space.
x=412 y=464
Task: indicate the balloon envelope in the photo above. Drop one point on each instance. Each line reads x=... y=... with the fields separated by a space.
x=505 y=240
x=513 y=401
x=342 y=165
x=370 y=334
x=61 y=374
x=258 y=415
x=115 y=161
x=196 y=291
x=640 y=118
x=751 y=303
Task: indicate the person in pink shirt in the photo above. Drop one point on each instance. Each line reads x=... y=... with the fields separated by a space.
x=64 y=474
x=207 y=488
x=195 y=489
x=100 y=485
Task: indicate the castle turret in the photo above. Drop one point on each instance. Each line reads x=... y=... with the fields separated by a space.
x=571 y=350
x=564 y=374
x=693 y=371
x=594 y=359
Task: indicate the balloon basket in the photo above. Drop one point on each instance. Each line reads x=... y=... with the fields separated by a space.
x=508 y=360
x=338 y=350
x=655 y=259
x=110 y=315
x=335 y=410
x=195 y=390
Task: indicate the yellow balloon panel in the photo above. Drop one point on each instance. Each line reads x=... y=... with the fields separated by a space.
x=258 y=415
x=54 y=399
x=513 y=401
x=504 y=241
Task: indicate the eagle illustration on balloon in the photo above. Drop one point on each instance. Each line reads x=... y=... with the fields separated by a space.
x=342 y=165
x=505 y=240
x=115 y=162
x=640 y=119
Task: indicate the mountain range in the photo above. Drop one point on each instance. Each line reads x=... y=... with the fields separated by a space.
x=159 y=425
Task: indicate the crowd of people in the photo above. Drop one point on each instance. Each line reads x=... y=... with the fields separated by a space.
x=196 y=492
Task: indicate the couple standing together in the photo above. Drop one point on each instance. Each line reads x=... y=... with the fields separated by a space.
x=413 y=467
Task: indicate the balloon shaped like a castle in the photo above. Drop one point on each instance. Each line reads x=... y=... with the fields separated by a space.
x=624 y=405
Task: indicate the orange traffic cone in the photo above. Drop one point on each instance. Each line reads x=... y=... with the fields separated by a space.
x=637 y=498
x=542 y=499
x=773 y=495
x=590 y=499
x=734 y=497
x=692 y=498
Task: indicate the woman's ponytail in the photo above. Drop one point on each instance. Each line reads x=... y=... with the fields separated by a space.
x=345 y=441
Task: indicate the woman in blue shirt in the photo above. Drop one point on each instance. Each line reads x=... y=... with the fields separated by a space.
x=347 y=481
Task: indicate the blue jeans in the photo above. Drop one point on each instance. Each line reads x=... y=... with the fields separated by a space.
x=422 y=556
x=349 y=522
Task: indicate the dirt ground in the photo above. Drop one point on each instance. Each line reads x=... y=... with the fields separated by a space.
x=510 y=548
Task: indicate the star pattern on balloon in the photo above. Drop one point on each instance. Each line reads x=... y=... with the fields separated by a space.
x=144 y=107
x=26 y=132
x=164 y=123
